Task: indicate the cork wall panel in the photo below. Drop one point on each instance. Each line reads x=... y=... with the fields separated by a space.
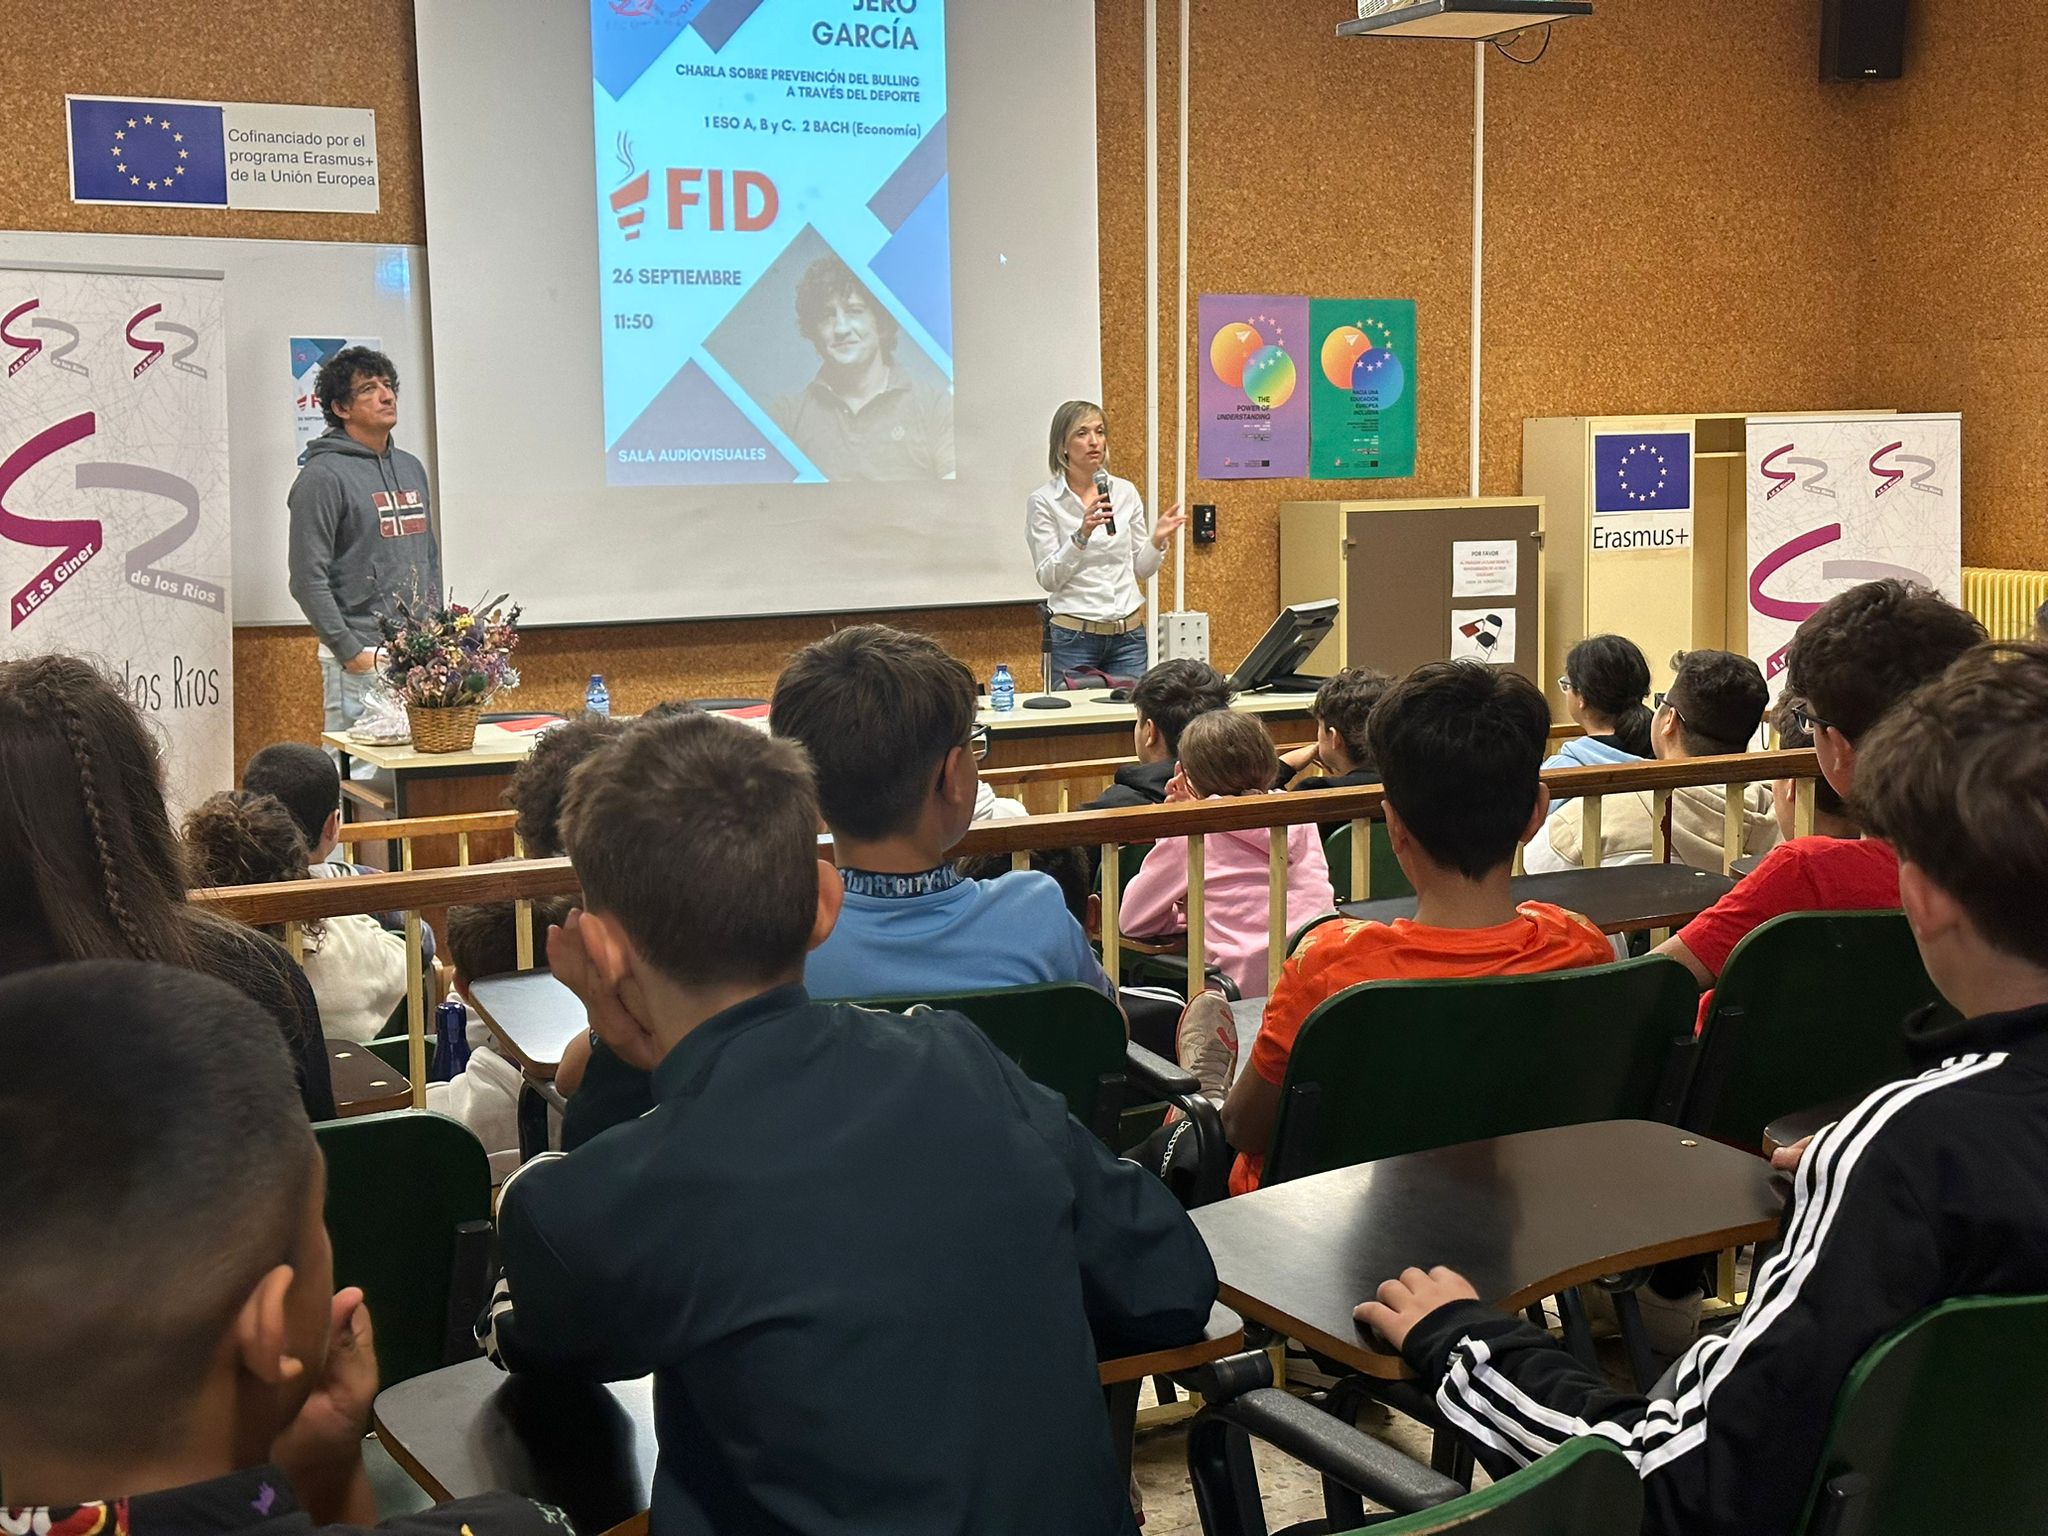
x=1955 y=312
x=357 y=55
x=1669 y=227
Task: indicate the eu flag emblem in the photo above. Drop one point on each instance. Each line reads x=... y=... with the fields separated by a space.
x=126 y=151
x=1642 y=472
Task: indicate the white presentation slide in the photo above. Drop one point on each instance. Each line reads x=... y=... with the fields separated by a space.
x=754 y=306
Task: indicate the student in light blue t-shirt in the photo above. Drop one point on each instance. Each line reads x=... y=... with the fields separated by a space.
x=888 y=719
x=1606 y=680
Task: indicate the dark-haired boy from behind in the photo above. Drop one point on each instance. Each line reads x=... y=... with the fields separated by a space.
x=887 y=719
x=176 y=1356
x=1459 y=745
x=1849 y=664
x=1341 y=755
x=1164 y=700
x=1934 y=1186
x=829 y=1209
x=305 y=781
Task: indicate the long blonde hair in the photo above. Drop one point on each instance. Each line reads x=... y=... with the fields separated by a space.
x=1064 y=420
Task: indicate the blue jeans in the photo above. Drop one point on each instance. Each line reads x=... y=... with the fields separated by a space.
x=342 y=694
x=1118 y=655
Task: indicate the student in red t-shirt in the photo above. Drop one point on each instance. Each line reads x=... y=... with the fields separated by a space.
x=1863 y=652
x=1459 y=745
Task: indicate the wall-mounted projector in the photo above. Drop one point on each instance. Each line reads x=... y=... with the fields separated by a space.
x=1470 y=21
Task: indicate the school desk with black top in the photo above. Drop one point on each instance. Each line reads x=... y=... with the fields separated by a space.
x=1616 y=898
x=1522 y=1217
x=1798 y=1124
x=363 y=1084
x=588 y=1448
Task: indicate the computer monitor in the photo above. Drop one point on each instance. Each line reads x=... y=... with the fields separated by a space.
x=1274 y=662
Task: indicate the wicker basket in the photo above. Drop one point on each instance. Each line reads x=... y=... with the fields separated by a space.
x=446 y=729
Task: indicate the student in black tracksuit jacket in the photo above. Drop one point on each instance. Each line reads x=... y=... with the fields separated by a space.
x=870 y=1265
x=1930 y=1188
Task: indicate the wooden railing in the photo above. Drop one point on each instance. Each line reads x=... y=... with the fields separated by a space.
x=1095 y=772
x=522 y=880
x=406 y=831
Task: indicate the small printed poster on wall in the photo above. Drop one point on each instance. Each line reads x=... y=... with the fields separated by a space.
x=1483 y=634
x=1834 y=503
x=1254 y=410
x=1485 y=569
x=222 y=154
x=114 y=497
x=308 y=353
x=1362 y=389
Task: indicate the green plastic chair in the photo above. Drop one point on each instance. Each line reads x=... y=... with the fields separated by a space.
x=1071 y=1039
x=1940 y=1427
x=1130 y=858
x=1066 y=1036
x=409 y=1210
x=1807 y=1011
x=1586 y=1487
x=1388 y=1067
x=1388 y=878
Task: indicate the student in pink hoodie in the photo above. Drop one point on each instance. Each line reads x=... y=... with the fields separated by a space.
x=1228 y=754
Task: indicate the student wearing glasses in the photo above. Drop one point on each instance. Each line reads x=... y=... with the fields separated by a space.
x=361 y=534
x=1714 y=706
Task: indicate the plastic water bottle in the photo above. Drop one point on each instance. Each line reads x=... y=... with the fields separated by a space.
x=597 y=699
x=1002 y=691
x=451 y=1042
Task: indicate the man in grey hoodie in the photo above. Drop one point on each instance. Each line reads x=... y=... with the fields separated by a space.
x=361 y=534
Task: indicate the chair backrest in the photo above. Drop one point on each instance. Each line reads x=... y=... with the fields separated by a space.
x=1807 y=1010
x=1586 y=1487
x=1940 y=1427
x=1388 y=1067
x=409 y=1210
x=1388 y=878
x=1064 y=1035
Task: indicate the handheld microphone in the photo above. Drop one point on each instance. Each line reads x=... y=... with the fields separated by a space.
x=1102 y=490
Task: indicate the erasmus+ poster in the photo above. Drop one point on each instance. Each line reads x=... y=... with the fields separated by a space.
x=773 y=243
x=1361 y=388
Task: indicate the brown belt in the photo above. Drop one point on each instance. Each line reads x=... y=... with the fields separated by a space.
x=1121 y=626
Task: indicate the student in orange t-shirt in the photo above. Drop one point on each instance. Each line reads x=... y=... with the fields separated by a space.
x=1459 y=745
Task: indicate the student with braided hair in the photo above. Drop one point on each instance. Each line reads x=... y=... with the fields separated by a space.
x=91 y=870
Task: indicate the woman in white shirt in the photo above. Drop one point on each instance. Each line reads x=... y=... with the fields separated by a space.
x=1090 y=551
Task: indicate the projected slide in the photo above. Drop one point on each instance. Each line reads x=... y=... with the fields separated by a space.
x=774 y=259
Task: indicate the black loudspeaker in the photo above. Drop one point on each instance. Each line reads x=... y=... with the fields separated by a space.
x=1862 y=39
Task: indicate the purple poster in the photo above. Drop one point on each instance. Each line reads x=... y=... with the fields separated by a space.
x=1254 y=407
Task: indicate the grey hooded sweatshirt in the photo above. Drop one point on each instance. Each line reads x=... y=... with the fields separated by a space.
x=361 y=537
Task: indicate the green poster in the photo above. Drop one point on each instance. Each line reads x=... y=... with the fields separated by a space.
x=1362 y=391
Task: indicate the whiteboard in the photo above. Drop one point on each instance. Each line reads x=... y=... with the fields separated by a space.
x=275 y=290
